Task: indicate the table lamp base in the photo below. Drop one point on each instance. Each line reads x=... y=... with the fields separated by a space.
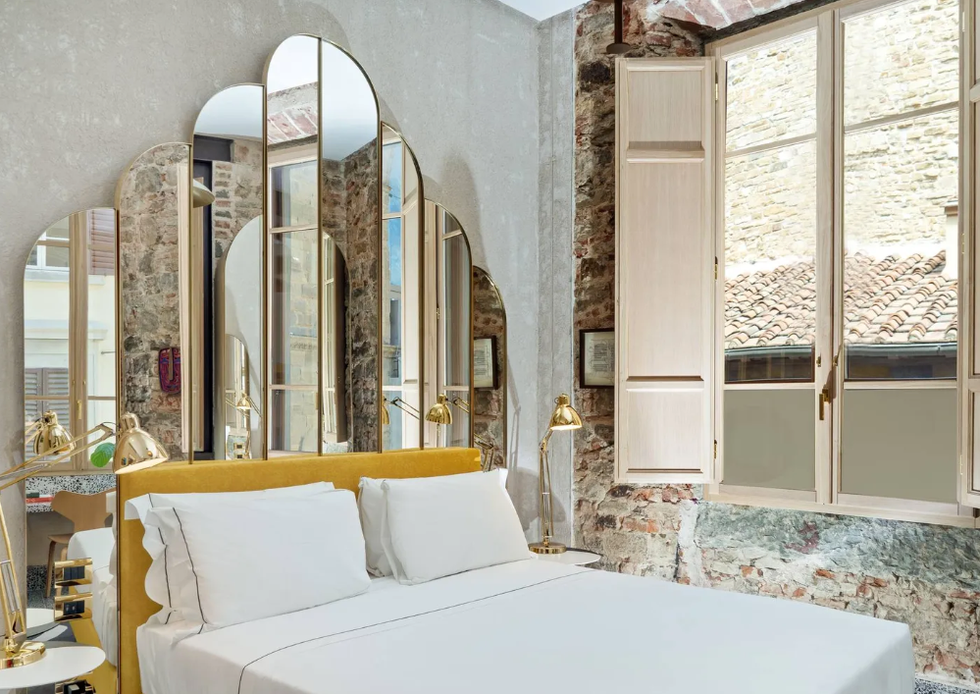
x=547 y=547
x=29 y=652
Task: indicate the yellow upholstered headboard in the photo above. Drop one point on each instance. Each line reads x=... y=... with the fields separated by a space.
x=345 y=471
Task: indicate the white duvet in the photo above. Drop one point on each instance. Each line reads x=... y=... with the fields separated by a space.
x=535 y=626
x=97 y=545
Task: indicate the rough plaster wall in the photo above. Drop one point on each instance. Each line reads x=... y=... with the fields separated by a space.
x=88 y=86
x=926 y=576
x=557 y=146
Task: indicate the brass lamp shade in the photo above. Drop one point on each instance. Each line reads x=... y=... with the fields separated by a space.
x=200 y=195
x=564 y=417
x=52 y=438
x=135 y=448
x=440 y=412
x=245 y=404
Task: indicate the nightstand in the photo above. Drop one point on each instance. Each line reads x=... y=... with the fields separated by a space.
x=59 y=664
x=572 y=557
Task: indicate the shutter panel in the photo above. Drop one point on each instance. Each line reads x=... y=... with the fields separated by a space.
x=664 y=270
x=969 y=293
x=102 y=241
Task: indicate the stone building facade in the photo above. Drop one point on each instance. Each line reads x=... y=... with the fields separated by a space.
x=927 y=576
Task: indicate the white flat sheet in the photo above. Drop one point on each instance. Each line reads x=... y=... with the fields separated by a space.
x=97 y=545
x=536 y=626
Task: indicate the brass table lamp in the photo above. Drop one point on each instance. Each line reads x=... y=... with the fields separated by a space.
x=564 y=418
x=440 y=415
x=135 y=450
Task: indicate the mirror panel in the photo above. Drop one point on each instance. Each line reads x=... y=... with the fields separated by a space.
x=401 y=306
x=152 y=198
x=292 y=139
x=350 y=172
x=449 y=319
x=489 y=371
x=226 y=239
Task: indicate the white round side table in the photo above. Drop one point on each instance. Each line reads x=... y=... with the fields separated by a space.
x=60 y=663
x=572 y=557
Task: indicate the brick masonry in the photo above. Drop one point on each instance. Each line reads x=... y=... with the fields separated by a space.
x=926 y=576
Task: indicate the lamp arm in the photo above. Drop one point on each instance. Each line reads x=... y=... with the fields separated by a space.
x=544 y=490
x=19 y=473
x=30 y=430
x=405 y=407
x=461 y=404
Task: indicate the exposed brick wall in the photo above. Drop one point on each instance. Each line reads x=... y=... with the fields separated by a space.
x=926 y=576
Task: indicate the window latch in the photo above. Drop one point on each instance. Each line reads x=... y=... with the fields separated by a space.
x=824 y=399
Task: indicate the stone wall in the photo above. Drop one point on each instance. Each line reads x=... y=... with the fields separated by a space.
x=897 y=178
x=926 y=576
x=149 y=272
x=489 y=406
x=351 y=217
x=237 y=188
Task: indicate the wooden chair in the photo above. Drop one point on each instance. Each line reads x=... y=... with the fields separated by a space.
x=85 y=511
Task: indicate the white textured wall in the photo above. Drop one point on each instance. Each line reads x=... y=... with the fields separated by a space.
x=87 y=86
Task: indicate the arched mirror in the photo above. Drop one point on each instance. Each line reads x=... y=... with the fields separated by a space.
x=401 y=294
x=70 y=378
x=292 y=138
x=226 y=261
x=449 y=328
x=350 y=215
x=489 y=371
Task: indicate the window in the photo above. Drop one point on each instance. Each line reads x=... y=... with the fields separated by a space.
x=293 y=315
x=838 y=244
x=70 y=326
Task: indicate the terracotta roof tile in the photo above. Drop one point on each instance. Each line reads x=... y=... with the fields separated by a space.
x=895 y=299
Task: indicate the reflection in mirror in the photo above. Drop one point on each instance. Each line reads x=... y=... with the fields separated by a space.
x=152 y=198
x=70 y=370
x=449 y=326
x=292 y=84
x=226 y=253
x=402 y=219
x=350 y=178
x=489 y=371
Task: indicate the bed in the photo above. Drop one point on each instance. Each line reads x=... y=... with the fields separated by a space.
x=526 y=626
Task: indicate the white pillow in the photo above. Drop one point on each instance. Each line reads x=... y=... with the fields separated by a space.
x=160 y=578
x=371 y=502
x=437 y=526
x=256 y=558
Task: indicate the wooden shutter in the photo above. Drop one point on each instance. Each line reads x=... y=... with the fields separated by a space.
x=102 y=241
x=969 y=298
x=664 y=269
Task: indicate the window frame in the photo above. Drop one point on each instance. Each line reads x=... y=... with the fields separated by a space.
x=828 y=22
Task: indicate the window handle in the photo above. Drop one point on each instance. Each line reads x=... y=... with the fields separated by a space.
x=824 y=399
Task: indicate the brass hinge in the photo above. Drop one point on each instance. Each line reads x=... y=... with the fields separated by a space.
x=716 y=449
x=716 y=267
x=717 y=89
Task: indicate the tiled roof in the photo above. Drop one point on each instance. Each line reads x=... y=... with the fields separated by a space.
x=890 y=300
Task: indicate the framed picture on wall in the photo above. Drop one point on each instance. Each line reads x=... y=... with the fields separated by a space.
x=485 y=362
x=597 y=358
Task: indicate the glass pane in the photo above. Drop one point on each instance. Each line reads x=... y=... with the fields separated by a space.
x=391 y=319
x=900 y=229
x=293 y=323
x=399 y=419
x=901 y=58
x=293 y=422
x=770 y=279
x=772 y=92
x=456 y=283
x=100 y=411
x=58 y=230
x=294 y=195
x=770 y=439
x=101 y=343
x=391 y=177
x=900 y=444
x=53 y=257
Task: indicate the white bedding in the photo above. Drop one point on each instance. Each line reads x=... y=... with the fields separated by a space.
x=535 y=626
x=97 y=545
